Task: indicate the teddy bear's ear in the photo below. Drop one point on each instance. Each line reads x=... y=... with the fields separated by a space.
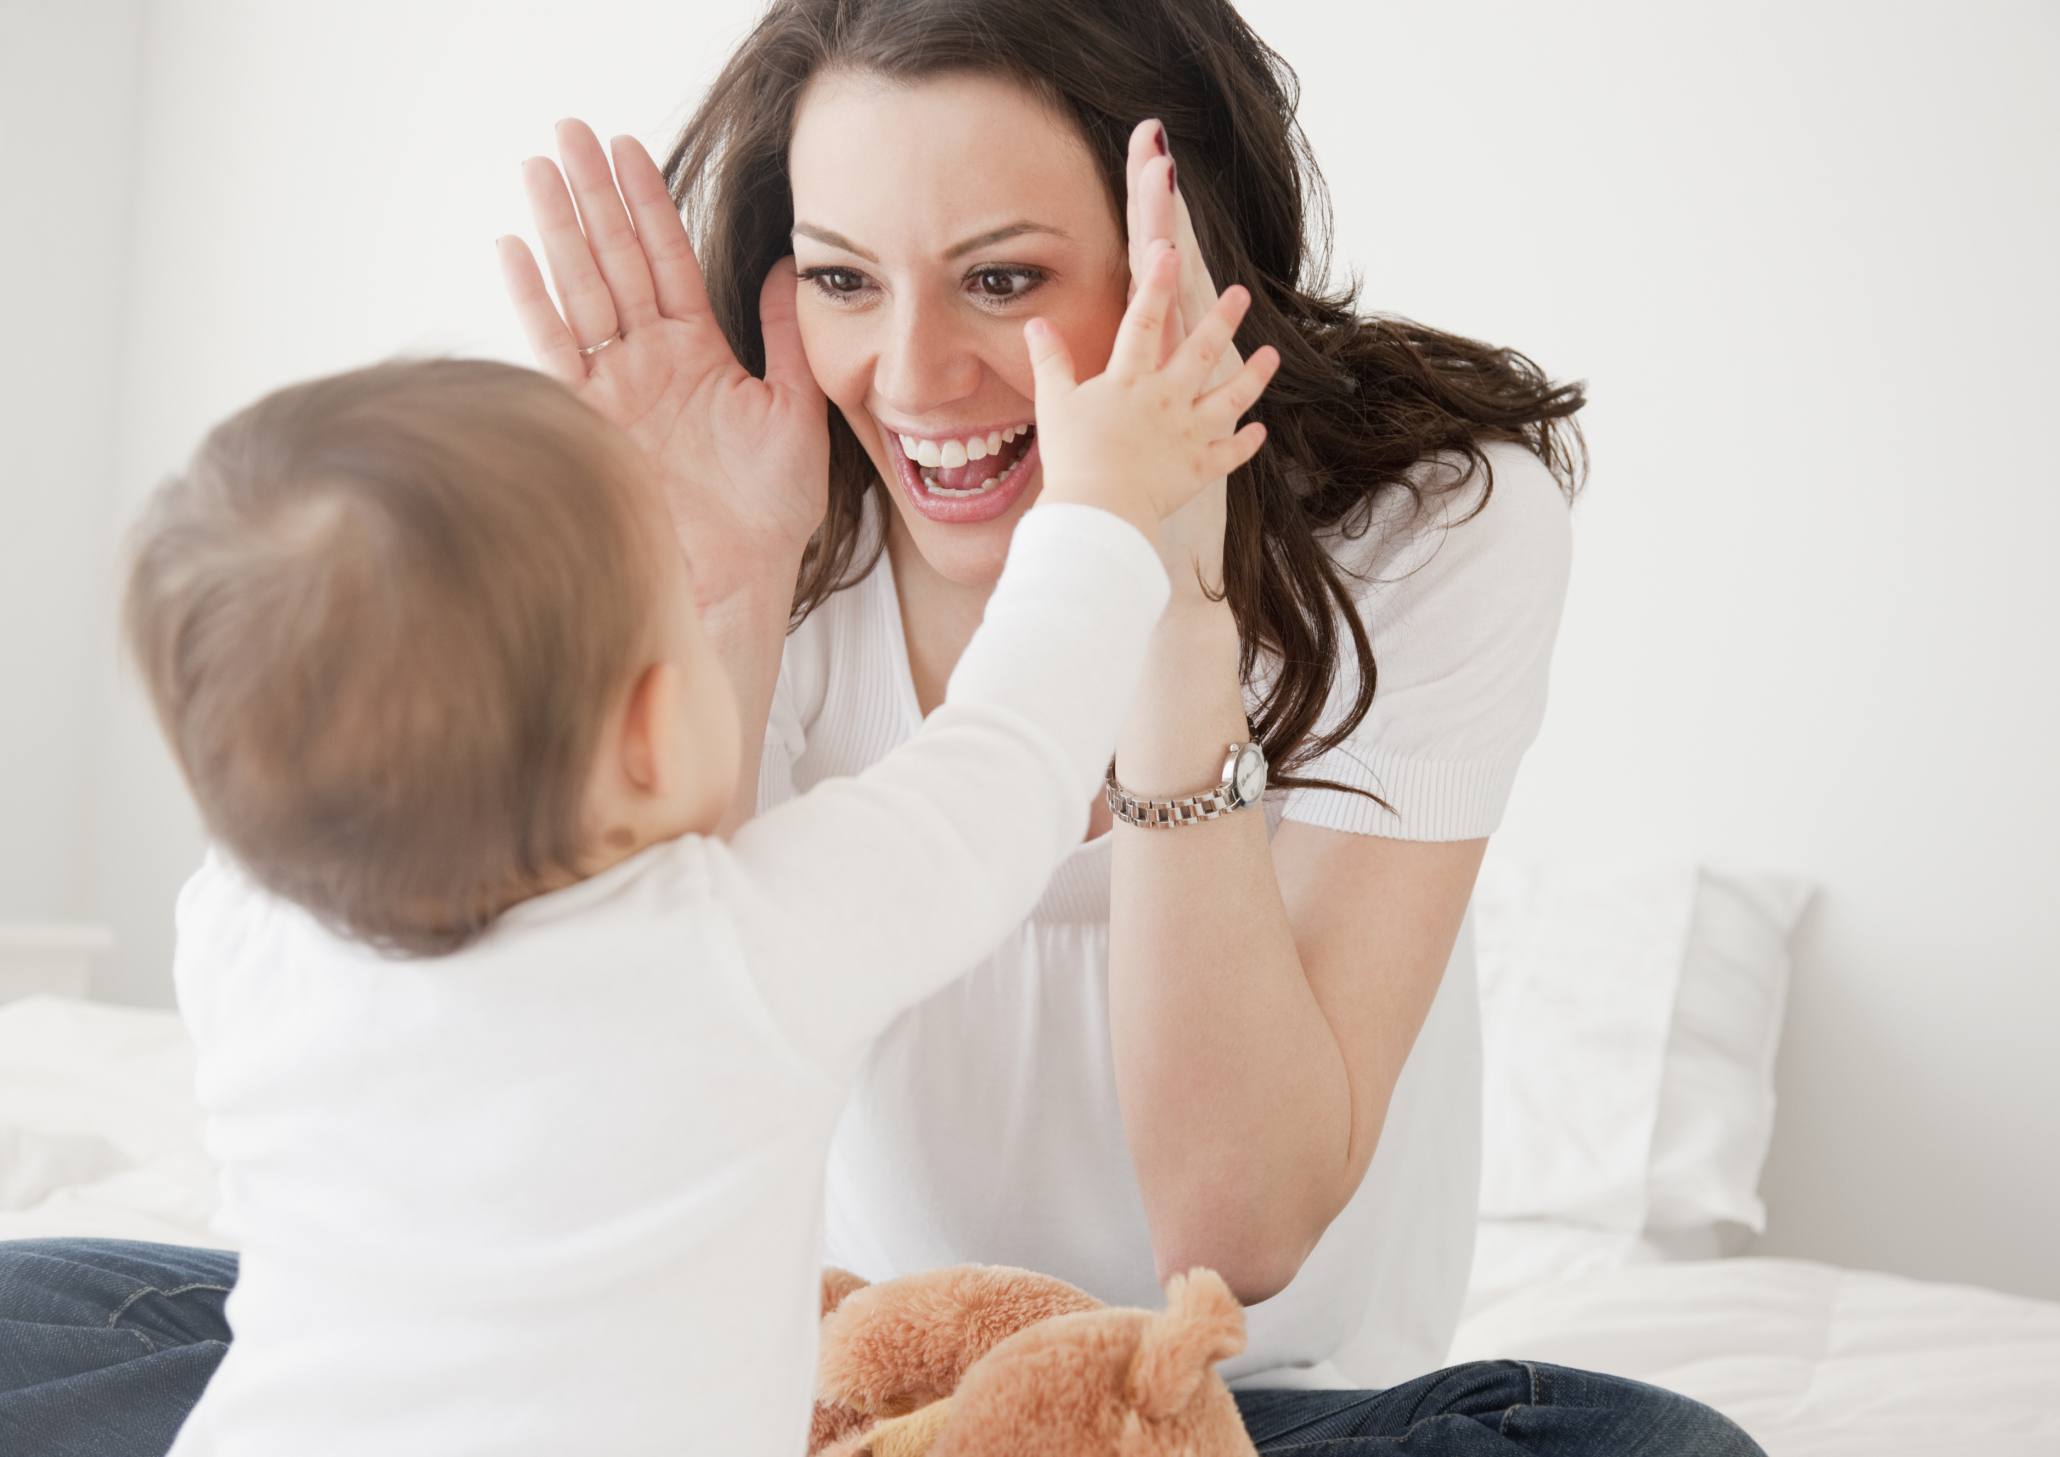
x=836 y=1285
x=1201 y=1325
x=905 y=1436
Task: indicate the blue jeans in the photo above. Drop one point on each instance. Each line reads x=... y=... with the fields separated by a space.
x=105 y=1345
x=1494 y=1409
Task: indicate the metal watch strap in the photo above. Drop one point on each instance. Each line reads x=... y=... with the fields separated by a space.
x=1165 y=814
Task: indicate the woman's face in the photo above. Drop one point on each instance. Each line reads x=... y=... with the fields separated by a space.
x=930 y=222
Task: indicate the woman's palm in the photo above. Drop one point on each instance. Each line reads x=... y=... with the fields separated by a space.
x=745 y=461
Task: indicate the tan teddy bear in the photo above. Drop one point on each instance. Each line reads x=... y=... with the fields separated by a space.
x=987 y=1361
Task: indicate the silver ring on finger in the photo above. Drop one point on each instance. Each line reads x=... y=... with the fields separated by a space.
x=590 y=350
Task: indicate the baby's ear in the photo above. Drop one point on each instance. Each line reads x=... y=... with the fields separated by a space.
x=650 y=722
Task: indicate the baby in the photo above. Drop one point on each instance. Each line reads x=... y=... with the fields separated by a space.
x=520 y=1080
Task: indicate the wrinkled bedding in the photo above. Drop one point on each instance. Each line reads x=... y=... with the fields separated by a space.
x=1813 y=1360
x=98 y=1130
x=99 y=1136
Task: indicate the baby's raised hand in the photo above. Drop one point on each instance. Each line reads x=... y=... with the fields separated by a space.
x=1142 y=438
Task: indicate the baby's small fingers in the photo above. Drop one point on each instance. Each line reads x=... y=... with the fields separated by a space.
x=1241 y=391
x=1138 y=346
x=1196 y=360
x=1051 y=363
x=1229 y=454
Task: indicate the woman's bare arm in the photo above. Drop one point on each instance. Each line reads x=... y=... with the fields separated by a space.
x=1263 y=995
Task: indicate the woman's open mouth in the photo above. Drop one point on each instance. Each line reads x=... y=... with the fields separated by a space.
x=963 y=479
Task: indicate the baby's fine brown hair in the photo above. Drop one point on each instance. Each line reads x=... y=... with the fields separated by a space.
x=383 y=617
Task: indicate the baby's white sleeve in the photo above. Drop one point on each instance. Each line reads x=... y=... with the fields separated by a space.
x=862 y=896
x=1462 y=620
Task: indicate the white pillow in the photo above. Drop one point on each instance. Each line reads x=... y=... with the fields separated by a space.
x=1716 y=1105
x=1577 y=966
x=1629 y=1017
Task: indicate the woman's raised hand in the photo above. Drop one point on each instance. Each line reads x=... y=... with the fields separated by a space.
x=745 y=461
x=1192 y=539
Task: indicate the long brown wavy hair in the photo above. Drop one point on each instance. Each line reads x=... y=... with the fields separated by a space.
x=1359 y=399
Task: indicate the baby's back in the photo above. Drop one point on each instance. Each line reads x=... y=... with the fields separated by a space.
x=506 y=1200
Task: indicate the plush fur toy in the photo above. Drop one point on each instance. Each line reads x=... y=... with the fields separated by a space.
x=987 y=1361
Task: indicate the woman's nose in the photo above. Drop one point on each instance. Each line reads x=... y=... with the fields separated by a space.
x=924 y=363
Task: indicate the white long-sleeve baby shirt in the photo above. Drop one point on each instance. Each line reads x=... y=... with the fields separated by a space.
x=561 y=1192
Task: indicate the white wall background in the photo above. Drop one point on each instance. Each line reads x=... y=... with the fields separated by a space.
x=68 y=125
x=1804 y=255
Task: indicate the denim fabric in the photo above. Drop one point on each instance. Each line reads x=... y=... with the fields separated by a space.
x=105 y=1345
x=1493 y=1409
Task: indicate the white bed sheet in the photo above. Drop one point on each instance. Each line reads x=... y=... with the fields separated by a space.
x=99 y=1136
x=1812 y=1360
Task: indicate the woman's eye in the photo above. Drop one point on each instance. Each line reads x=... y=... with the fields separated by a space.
x=989 y=286
x=1005 y=283
x=836 y=282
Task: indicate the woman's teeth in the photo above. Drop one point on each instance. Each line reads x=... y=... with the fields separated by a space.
x=955 y=456
x=952 y=454
x=930 y=485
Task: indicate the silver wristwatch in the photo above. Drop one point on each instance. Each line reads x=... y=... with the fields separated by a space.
x=1244 y=781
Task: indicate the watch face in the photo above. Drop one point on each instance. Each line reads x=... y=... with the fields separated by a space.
x=1249 y=781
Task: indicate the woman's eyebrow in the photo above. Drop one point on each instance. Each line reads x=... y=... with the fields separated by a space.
x=834 y=240
x=1002 y=235
x=983 y=240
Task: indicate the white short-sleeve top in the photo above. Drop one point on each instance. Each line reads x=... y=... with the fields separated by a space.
x=984 y=1126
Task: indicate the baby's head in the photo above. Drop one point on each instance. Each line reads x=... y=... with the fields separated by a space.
x=424 y=645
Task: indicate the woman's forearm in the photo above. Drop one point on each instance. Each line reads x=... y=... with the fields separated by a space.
x=1235 y=1096
x=748 y=628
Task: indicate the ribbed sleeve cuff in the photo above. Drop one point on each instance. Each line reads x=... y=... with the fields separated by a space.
x=1432 y=800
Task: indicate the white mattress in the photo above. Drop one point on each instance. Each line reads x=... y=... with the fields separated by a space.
x=99 y=1136
x=1812 y=1360
x=98 y=1130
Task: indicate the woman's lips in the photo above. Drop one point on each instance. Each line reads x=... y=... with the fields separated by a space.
x=961 y=510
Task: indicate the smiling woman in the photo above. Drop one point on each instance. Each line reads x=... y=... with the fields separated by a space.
x=914 y=295
x=1193 y=1049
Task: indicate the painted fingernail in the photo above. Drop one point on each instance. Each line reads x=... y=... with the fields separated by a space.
x=1172 y=172
x=1160 y=138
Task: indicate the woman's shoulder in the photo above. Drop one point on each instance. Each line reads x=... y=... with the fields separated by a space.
x=1504 y=518
x=1461 y=600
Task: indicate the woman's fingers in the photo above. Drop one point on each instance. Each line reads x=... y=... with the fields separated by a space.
x=675 y=272
x=610 y=238
x=1147 y=145
x=1140 y=338
x=549 y=340
x=786 y=365
x=1153 y=204
x=1197 y=288
x=583 y=296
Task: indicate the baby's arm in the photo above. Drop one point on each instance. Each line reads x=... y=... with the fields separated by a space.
x=865 y=895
